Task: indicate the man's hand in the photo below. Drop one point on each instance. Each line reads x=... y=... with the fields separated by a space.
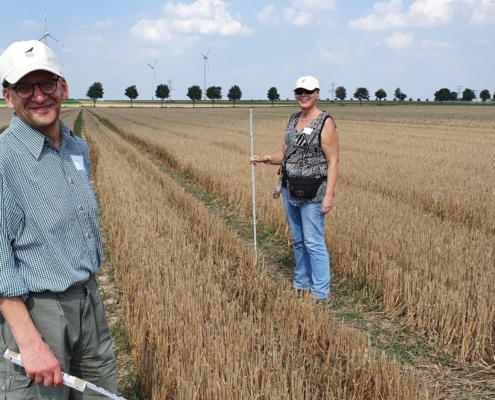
x=41 y=365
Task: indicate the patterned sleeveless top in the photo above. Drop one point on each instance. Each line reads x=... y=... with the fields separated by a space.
x=304 y=155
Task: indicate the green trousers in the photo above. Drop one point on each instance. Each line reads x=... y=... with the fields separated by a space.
x=74 y=325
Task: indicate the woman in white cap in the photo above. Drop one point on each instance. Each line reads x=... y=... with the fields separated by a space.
x=309 y=163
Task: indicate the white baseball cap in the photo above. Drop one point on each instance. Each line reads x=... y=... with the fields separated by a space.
x=307 y=82
x=21 y=58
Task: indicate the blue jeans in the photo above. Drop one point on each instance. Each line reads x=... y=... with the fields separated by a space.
x=306 y=224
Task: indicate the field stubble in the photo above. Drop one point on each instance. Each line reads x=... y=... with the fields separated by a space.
x=203 y=321
x=413 y=218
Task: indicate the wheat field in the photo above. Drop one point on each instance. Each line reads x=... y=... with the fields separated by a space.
x=203 y=320
x=413 y=215
x=413 y=219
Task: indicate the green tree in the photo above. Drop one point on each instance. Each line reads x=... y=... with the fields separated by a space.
x=95 y=92
x=341 y=93
x=194 y=93
x=453 y=97
x=484 y=95
x=443 y=95
x=399 y=95
x=380 y=94
x=361 y=94
x=468 y=95
x=273 y=94
x=214 y=93
x=131 y=92
x=162 y=92
x=234 y=94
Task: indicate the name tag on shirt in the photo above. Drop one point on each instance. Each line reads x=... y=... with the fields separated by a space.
x=78 y=162
x=307 y=130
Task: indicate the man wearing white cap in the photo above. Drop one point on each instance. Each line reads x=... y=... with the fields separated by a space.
x=50 y=246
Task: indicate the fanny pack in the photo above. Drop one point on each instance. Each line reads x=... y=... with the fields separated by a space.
x=304 y=188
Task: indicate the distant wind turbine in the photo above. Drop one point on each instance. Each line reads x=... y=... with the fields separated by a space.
x=205 y=58
x=46 y=35
x=153 y=74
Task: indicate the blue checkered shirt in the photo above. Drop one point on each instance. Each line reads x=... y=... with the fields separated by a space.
x=49 y=235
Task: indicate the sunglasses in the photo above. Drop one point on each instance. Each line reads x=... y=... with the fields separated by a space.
x=300 y=91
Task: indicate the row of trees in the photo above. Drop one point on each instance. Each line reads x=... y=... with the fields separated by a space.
x=213 y=93
x=441 y=95
x=195 y=93
x=162 y=92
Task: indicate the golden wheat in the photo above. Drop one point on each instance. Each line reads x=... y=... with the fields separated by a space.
x=203 y=320
x=413 y=216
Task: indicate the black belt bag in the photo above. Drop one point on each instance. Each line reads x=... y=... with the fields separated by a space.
x=304 y=188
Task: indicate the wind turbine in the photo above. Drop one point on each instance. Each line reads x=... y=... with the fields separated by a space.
x=47 y=35
x=205 y=58
x=152 y=74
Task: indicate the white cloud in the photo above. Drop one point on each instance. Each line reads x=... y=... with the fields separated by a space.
x=153 y=31
x=421 y=13
x=203 y=17
x=329 y=52
x=431 y=12
x=376 y=23
x=399 y=40
x=299 y=13
x=103 y=24
x=267 y=15
x=484 y=13
x=299 y=18
x=29 y=24
x=315 y=5
x=433 y=44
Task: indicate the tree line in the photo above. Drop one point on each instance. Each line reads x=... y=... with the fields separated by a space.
x=214 y=93
x=441 y=95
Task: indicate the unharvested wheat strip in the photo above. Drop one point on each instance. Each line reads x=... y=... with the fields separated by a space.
x=69 y=116
x=200 y=316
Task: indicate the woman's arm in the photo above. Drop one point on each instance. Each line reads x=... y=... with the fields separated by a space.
x=275 y=159
x=330 y=147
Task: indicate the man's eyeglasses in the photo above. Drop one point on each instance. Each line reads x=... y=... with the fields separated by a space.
x=300 y=91
x=26 y=90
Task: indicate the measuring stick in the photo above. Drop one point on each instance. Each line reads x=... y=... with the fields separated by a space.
x=253 y=189
x=69 y=380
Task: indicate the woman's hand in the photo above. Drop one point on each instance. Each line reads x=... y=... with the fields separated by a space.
x=327 y=204
x=260 y=159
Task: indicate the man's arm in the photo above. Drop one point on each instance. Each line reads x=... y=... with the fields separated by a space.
x=40 y=363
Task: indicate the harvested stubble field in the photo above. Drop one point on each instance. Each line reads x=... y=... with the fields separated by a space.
x=203 y=321
x=5 y=116
x=67 y=115
x=413 y=219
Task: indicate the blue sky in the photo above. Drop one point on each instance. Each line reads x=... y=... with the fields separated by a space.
x=417 y=45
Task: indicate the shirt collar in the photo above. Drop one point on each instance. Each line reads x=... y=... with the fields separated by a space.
x=32 y=139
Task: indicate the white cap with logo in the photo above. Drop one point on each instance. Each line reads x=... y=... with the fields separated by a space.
x=307 y=82
x=21 y=58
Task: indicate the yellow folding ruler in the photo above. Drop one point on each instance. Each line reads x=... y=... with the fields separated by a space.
x=69 y=380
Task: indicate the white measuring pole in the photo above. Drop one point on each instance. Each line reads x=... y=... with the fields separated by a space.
x=253 y=189
x=69 y=380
